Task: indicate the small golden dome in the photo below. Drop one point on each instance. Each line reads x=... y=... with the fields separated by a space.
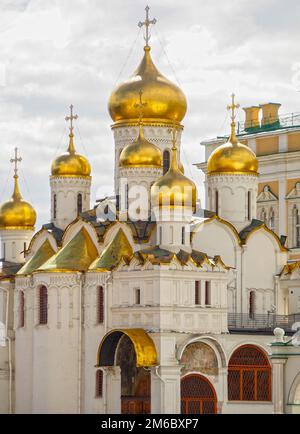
x=233 y=157
x=16 y=213
x=165 y=100
x=141 y=153
x=71 y=163
x=174 y=189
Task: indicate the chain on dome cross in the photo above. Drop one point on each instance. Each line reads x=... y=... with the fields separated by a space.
x=140 y=105
x=232 y=107
x=71 y=118
x=16 y=160
x=147 y=24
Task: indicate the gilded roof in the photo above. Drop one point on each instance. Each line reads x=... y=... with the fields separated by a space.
x=76 y=255
x=39 y=258
x=119 y=248
x=165 y=101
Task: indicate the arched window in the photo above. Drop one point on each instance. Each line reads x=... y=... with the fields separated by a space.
x=21 y=309
x=99 y=383
x=271 y=224
x=13 y=249
x=183 y=235
x=197 y=292
x=79 y=203
x=100 y=305
x=43 y=305
x=171 y=235
x=252 y=304
x=249 y=375
x=249 y=205
x=137 y=296
x=126 y=197
x=54 y=206
x=166 y=161
x=160 y=235
x=263 y=216
x=207 y=293
x=217 y=202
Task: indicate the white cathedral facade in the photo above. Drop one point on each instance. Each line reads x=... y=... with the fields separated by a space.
x=169 y=312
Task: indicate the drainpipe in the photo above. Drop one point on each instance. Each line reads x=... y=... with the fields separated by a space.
x=79 y=344
x=105 y=331
x=9 y=351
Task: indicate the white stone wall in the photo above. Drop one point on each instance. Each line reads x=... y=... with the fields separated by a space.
x=233 y=197
x=66 y=190
x=13 y=242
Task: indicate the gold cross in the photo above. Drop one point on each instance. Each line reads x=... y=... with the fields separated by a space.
x=232 y=107
x=140 y=105
x=174 y=133
x=16 y=160
x=71 y=118
x=147 y=23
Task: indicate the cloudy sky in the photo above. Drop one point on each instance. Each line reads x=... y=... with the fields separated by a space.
x=57 y=52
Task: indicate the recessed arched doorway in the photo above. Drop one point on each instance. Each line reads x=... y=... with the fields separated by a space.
x=133 y=351
x=198 y=395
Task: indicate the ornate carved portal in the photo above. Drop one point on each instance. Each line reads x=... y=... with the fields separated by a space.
x=135 y=382
x=198 y=396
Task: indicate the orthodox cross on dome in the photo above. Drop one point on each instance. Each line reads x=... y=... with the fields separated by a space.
x=174 y=132
x=140 y=105
x=147 y=24
x=16 y=160
x=232 y=107
x=71 y=118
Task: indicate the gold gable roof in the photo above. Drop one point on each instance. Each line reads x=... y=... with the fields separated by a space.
x=111 y=256
x=39 y=258
x=76 y=255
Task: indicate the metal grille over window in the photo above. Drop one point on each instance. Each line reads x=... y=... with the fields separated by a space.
x=197 y=396
x=43 y=305
x=100 y=305
x=99 y=383
x=249 y=375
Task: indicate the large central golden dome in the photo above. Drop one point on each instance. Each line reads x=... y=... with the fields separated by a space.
x=141 y=153
x=165 y=101
x=71 y=163
x=16 y=213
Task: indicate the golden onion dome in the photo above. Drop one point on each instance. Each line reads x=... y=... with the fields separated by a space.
x=141 y=153
x=165 y=100
x=233 y=156
x=71 y=163
x=16 y=213
x=174 y=189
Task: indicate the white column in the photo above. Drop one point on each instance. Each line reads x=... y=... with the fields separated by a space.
x=278 y=384
x=165 y=390
x=113 y=390
x=282 y=207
